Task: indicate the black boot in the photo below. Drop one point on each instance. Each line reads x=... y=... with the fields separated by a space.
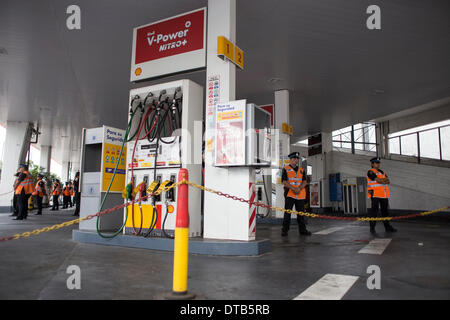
x=389 y=228
x=305 y=232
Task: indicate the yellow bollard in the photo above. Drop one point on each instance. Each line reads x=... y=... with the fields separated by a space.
x=180 y=260
x=181 y=243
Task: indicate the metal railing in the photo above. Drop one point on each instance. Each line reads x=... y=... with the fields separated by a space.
x=347 y=140
x=427 y=148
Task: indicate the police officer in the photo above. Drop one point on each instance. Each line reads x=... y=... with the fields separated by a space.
x=39 y=193
x=15 y=204
x=71 y=193
x=76 y=189
x=56 y=192
x=294 y=180
x=66 y=196
x=378 y=192
x=24 y=187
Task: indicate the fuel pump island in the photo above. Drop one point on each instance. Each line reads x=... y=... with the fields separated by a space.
x=165 y=132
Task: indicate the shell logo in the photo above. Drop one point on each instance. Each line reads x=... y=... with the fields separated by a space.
x=138 y=71
x=170 y=208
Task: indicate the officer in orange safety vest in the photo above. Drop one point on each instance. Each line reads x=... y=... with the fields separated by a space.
x=24 y=187
x=56 y=192
x=39 y=193
x=66 y=196
x=294 y=181
x=378 y=192
x=71 y=194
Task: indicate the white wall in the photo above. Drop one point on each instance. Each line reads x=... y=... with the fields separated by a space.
x=413 y=186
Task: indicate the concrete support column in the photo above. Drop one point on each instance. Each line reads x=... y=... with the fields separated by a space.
x=65 y=171
x=17 y=142
x=45 y=158
x=224 y=218
x=382 y=132
x=321 y=164
x=281 y=111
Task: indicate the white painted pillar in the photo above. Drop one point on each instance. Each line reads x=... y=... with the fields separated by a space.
x=320 y=167
x=45 y=158
x=382 y=134
x=16 y=146
x=224 y=218
x=64 y=173
x=281 y=111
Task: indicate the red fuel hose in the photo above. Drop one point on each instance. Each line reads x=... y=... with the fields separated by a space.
x=141 y=124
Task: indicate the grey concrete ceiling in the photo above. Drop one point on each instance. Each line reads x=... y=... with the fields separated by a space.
x=321 y=51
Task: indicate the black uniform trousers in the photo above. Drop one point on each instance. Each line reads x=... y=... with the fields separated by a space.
x=299 y=206
x=15 y=205
x=377 y=203
x=66 y=202
x=22 y=204
x=55 y=202
x=77 y=199
x=39 y=204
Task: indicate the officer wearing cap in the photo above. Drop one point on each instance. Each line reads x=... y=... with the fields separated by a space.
x=39 y=193
x=294 y=181
x=378 y=192
x=56 y=192
x=76 y=189
x=16 y=197
x=23 y=187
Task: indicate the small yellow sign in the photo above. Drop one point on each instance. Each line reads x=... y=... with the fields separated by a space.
x=225 y=48
x=285 y=128
x=230 y=115
x=239 y=57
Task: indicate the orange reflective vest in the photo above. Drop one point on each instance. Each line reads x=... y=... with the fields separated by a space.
x=295 y=180
x=38 y=190
x=56 y=189
x=27 y=184
x=379 y=190
x=71 y=191
x=66 y=191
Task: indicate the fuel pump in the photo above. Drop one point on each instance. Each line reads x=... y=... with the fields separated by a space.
x=159 y=148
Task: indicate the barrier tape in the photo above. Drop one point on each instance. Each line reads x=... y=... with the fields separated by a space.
x=219 y=193
x=311 y=215
x=98 y=214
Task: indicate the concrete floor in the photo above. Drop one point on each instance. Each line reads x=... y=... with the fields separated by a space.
x=35 y=267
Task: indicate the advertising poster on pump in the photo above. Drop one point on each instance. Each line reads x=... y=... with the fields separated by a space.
x=113 y=139
x=230 y=133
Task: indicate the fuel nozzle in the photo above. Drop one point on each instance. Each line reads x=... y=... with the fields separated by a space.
x=143 y=190
x=127 y=194
x=170 y=195
x=149 y=95
x=136 y=97
x=161 y=94
x=176 y=92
